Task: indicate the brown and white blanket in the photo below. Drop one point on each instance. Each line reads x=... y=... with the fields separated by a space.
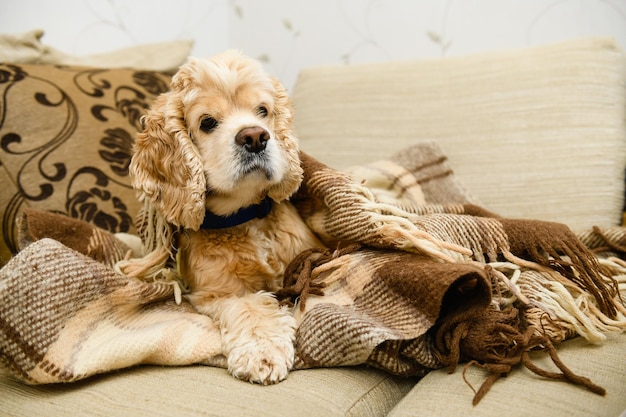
x=419 y=278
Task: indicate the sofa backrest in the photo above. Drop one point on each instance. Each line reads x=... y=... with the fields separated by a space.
x=531 y=133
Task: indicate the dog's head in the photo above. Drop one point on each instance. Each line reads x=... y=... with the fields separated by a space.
x=221 y=139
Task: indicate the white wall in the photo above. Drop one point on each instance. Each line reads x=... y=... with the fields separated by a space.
x=291 y=34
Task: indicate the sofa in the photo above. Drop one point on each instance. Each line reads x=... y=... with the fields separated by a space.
x=530 y=133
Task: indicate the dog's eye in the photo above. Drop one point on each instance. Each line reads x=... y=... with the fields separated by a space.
x=262 y=111
x=208 y=124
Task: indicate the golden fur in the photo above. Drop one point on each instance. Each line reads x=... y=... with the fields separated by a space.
x=222 y=139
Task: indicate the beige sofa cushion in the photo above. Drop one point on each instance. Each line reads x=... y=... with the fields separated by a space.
x=524 y=394
x=205 y=391
x=536 y=133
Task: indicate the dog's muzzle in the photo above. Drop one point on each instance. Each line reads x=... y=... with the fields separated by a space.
x=252 y=139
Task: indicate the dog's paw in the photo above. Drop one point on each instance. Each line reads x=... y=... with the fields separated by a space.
x=262 y=361
x=257 y=335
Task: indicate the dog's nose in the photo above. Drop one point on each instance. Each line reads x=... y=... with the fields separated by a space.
x=252 y=139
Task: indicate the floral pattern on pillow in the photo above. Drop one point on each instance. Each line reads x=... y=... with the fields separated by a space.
x=66 y=137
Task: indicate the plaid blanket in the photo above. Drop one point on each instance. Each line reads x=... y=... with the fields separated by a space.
x=418 y=277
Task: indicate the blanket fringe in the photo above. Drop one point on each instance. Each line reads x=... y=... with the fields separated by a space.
x=553 y=248
x=565 y=375
x=572 y=310
x=496 y=343
x=496 y=371
x=299 y=279
x=532 y=309
x=358 y=217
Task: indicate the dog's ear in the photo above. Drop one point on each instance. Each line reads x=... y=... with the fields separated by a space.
x=283 y=127
x=166 y=167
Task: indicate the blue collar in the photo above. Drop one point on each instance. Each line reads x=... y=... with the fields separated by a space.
x=255 y=211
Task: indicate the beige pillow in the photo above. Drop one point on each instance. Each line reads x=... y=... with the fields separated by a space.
x=536 y=133
x=66 y=135
x=27 y=48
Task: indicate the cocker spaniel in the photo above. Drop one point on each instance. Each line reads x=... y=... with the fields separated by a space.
x=215 y=166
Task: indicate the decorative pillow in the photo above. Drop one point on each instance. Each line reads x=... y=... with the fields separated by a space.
x=536 y=132
x=66 y=135
x=27 y=48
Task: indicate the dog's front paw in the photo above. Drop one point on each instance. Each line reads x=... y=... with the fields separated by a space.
x=257 y=335
x=262 y=361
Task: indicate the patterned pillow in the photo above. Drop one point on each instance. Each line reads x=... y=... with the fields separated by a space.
x=66 y=135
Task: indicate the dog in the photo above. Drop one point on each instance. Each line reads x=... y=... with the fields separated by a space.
x=217 y=161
